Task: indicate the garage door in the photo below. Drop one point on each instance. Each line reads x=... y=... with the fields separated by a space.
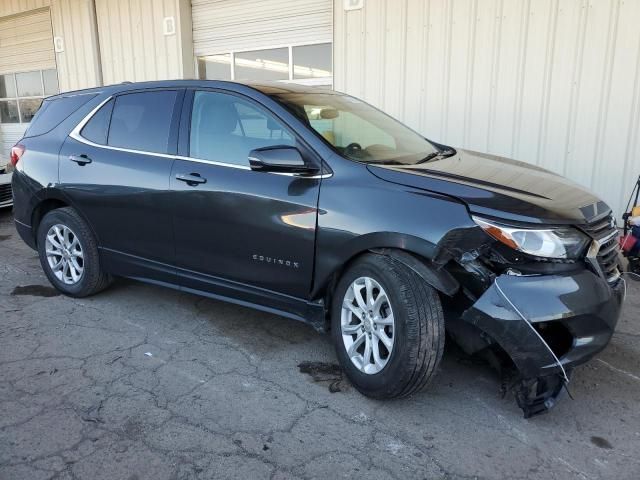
x=264 y=40
x=27 y=72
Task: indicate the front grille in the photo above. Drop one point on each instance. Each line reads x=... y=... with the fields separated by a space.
x=5 y=193
x=605 y=249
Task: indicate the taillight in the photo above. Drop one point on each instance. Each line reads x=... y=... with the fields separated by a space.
x=16 y=153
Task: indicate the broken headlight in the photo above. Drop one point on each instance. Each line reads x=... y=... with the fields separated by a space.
x=560 y=242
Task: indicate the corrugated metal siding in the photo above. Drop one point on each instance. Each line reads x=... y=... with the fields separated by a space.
x=78 y=65
x=132 y=44
x=552 y=82
x=11 y=7
x=224 y=25
x=26 y=42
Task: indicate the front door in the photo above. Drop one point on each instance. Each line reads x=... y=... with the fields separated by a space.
x=116 y=171
x=236 y=228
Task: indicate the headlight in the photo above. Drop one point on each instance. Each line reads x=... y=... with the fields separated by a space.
x=562 y=242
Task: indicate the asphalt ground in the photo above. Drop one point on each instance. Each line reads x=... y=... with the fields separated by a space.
x=142 y=382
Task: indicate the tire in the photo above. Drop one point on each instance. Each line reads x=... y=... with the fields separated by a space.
x=417 y=333
x=92 y=278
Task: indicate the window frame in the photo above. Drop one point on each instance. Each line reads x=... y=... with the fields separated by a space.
x=18 y=98
x=320 y=81
x=181 y=125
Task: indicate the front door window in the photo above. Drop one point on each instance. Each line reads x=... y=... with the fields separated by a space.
x=225 y=128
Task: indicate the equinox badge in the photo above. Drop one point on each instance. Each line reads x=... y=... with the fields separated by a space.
x=275 y=261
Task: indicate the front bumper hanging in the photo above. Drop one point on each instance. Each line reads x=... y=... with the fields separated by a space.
x=517 y=311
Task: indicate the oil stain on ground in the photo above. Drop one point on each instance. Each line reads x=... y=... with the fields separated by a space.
x=601 y=442
x=36 y=291
x=4 y=237
x=327 y=373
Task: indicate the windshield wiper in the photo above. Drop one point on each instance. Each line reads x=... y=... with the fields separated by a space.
x=444 y=153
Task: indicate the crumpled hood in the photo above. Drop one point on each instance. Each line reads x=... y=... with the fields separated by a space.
x=500 y=187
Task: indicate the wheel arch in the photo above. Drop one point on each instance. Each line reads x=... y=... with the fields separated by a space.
x=413 y=252
x=41 y=209
x=52 y=199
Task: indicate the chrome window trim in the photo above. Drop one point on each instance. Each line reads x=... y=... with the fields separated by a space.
x=75 y=134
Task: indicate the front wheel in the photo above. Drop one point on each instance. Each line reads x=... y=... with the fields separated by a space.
x=69 y=254
x=388 y=327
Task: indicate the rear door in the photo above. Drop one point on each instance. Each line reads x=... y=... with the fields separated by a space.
x=115 y=170
x=253 y=228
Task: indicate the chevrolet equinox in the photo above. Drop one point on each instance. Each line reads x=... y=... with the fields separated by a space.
x=314 y=205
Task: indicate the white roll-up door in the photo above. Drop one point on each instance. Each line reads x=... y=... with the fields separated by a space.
x=228 y=25
x=26 y=45
x=26 y=42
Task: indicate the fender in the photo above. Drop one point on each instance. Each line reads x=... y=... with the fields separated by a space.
x=414 y=252
x=440 y=279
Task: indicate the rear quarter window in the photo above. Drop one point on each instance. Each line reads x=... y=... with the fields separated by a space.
x=97 y=127
x=53 y=112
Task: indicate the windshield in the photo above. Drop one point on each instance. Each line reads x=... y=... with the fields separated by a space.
x=356 y=130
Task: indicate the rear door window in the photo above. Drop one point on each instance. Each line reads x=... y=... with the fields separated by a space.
x=142 y=121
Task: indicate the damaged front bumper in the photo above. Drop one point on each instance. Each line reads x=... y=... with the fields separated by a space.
x=547 y=324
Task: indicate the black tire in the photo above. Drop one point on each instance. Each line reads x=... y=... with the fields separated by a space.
x=418 y=331
x=93 y=278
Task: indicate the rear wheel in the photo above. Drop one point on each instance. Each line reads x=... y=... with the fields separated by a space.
x=69 y=254
x=387 y=326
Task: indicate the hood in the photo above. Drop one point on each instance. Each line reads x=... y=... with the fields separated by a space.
x=500 y=188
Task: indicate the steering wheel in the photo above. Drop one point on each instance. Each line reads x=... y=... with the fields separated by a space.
x=353 y=149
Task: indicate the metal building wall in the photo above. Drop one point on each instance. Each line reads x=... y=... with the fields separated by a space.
x=552 y=82
x=12 y=7
x=226 y=25
x=78 y=63
x=33 y=24
x=133 y=45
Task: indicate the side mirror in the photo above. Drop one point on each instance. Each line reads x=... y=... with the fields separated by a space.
x=279 y=158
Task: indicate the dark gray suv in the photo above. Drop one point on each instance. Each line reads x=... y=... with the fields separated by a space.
x=316 y=206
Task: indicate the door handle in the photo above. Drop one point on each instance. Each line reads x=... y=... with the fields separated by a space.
x=81 y=160
x=191 y=179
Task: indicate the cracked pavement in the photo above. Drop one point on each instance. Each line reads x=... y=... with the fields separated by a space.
x=142 y=382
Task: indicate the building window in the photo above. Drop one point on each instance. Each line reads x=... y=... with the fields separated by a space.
x=307 y=64
x=272 y=64
x=215 y=67
x=21 y=94
x=312 y=61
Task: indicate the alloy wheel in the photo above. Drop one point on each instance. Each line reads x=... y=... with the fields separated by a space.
x=367 y=325
x=64 y=254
